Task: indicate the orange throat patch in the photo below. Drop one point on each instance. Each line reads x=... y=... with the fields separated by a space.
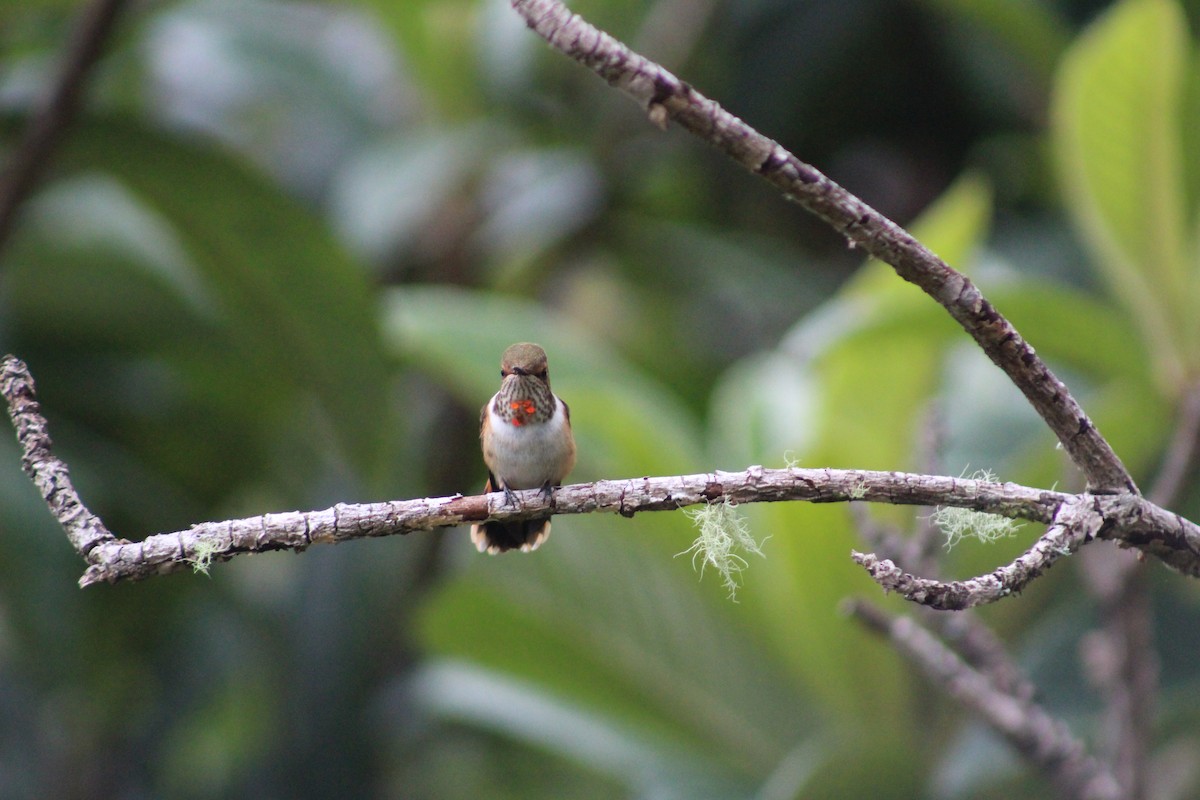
x=522 y=411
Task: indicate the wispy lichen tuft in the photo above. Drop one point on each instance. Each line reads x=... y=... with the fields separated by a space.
x=960 y=523
x=724 y=535
x=203 y=556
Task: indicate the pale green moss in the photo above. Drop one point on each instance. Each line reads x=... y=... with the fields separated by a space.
x=724 y=535
x=959 y=523
x=202 y=557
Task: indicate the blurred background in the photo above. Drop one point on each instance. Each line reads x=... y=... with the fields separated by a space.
x=275 y=263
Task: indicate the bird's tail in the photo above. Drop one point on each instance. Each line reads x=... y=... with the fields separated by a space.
x=495 y=537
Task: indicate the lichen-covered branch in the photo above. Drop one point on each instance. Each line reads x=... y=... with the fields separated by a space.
x=1127 y=519
x=1041 y=738
x=964 y=632
x=218 y=541
x=1130 y=519
x=666 y=97
x=1076 y=522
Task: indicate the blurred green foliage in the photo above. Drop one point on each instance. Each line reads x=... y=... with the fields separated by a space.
x=274 y=267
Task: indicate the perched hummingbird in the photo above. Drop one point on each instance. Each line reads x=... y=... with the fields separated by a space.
x=525 y=433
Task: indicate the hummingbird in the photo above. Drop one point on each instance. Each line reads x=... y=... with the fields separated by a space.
x=525 y=434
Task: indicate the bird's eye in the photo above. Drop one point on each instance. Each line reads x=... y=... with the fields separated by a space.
x=503 y=373
x=543 y=374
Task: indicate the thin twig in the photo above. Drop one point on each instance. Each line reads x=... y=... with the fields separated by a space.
x=1044 y=740
x=1181 y=455
x=31 y=155
x=964 y=631
x=48 y=473
x=971 y=638
x=1074 y=524
x=1123 y=665
x=665 y=97
x=1121 y=658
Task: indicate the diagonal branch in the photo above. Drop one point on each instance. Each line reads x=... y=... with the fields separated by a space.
x=1041 y=738
x=983 y=651
x=665 y=97
x=49 y=474
x=31 y=155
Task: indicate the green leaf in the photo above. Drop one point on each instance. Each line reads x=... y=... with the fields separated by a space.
x=846 y=388
x=649 y=766
x=293 y=303
x=766 y=406
x=1027 y=28
x=624 y=424
x=603 y=617
x=606 y=622
x=1117 y=143
x=437 y=38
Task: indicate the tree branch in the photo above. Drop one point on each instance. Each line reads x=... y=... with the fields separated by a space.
x=964 y=632
x=1122 y=663
x=49 y=474
x=1120 y=657
x=665 y=97
x=1180 y=459
x=218 y=541
x=1074 y=525
x=1028 y=727
x=1130 y=519
x=31 y=155
x=983 y=651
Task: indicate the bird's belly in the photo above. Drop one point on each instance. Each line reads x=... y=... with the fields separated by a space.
x=529 y=456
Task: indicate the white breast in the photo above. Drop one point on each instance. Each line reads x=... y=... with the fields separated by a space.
x=528 y=456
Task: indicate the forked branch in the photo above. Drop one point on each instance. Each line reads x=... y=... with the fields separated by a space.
x=665 y=97
x=1112 y=509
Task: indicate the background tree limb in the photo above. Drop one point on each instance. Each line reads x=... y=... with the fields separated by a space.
x=1120 y=658
x=31 y=156
x=1027 y=726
